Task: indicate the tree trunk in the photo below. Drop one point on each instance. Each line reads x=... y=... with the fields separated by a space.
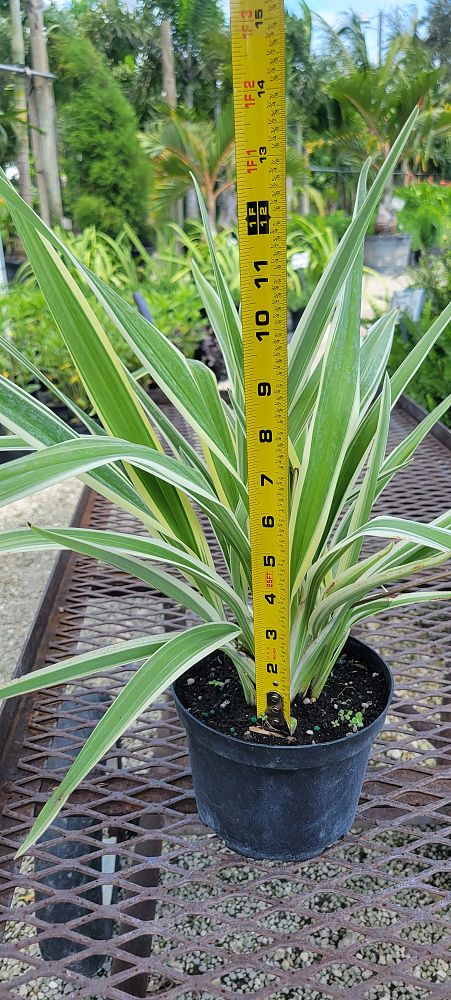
x=305 y=200
x=44 y=209
x=189 y=91
x=46 y=109
x=211 y=209
x=167 y=65
x=23 y=149
x=407 y=177
x=170 y=96
x=386 y=218
x=218 y=108
x=305 y=203
x=192 y=205
x=227 y=208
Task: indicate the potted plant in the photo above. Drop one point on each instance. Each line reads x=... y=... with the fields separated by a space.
x=266 y=795
x=425 y=214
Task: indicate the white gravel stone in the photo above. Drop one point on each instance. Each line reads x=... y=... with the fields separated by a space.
x=395 y=991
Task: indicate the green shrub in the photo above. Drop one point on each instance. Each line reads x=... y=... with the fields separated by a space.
x=314 y=235
x=433 y=380
x=107 y=172
x=338 y=221
x=426 y=214
x=24 y=316
x=176 y=311
x=93 y=210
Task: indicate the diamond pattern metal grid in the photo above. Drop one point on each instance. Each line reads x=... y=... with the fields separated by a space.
x=131 y=896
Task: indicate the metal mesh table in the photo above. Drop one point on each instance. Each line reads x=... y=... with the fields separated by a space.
x=132 y=896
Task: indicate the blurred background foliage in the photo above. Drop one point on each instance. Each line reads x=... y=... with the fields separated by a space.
x=143 y=97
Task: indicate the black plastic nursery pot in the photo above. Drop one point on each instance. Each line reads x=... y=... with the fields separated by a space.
x=286 y=803
x=388 y=254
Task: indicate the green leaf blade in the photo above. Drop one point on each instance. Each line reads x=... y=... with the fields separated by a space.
x=157 y=673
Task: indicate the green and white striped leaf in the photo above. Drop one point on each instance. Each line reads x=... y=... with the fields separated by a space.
x=406 y=449
x=163 y=361
x=231 y=349
x=169 y=585
x=84 y=418
x=103 y=377
x=374 y=355
x=35 y=472
x=431 y=536
x=159 y=671
x=41 y=427
x=367 y=493
x=84 y=665
x=309 y=332
x=103 y=544
x=333 y=418
x=231 y=324
x=12 y=442
x=229 y=488
x=367 y=429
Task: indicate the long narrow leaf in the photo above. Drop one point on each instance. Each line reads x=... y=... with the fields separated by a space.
x=333 y=419
x=367 y=429
x=309 y=331
x=41 y=427
x=12 y=442
x=35 y=472
x=159 y=670
x=103 y=376
x=84 y=665
x=364 y=503
x=10 y=347
x=404 y=451
x=102 y=544
x=230 y=348
x=156 y=578
x=163 y=361
x=232 y=326
x=374 y=355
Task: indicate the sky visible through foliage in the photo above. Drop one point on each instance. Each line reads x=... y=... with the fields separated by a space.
x=333 y=8
x=335 y=12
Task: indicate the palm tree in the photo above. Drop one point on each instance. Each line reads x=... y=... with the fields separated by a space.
x=180 y=147
x=195 y=23
x=383 y=97
x=309 y=107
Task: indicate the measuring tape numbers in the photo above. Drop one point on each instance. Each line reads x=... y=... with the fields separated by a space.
x=258 y=54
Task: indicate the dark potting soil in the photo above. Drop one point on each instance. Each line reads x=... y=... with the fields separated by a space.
x=211 y=691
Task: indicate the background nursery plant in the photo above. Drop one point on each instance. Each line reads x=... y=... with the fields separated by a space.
x=140 y=461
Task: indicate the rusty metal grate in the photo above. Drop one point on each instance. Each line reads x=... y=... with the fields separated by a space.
x=178 y=915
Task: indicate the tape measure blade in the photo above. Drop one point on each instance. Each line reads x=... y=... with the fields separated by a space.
x=258 y=54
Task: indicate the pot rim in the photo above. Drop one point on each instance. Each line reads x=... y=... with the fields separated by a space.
x=389 y=236
x=236 y=741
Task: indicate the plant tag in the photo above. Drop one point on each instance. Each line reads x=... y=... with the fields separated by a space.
x=301 y=260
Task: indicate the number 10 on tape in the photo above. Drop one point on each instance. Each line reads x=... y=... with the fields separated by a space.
x=258 y=51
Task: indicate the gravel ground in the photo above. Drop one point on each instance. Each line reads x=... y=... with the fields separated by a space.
x=24 y=577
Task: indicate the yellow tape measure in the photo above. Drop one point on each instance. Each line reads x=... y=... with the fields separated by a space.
x=258 y=52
